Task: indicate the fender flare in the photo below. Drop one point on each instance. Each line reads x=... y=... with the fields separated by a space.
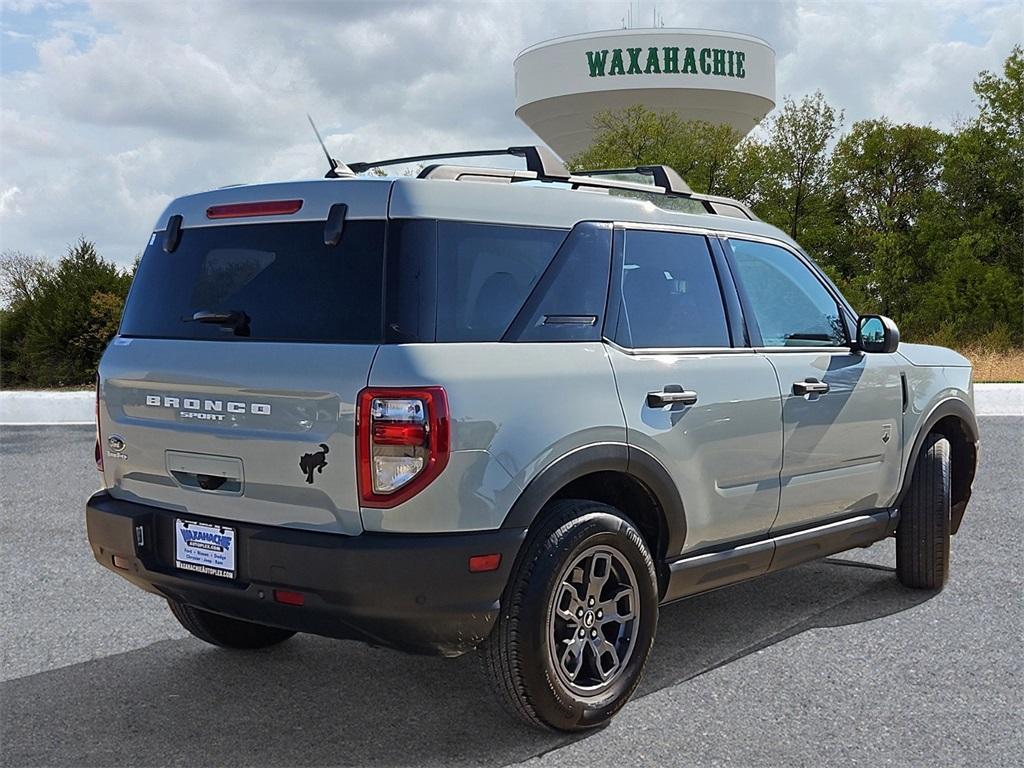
x=604 y=457
x=959 y=409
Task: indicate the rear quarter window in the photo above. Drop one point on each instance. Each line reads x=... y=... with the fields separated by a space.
x=484 y=274
x=290 y=285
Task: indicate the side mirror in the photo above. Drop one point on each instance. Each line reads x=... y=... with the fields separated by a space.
x=877 y=333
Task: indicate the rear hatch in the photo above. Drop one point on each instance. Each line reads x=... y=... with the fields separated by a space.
x=230 y=390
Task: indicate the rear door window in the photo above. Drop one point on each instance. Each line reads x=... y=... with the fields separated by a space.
x=669 y=293
x=282 y=278
x=484 y=274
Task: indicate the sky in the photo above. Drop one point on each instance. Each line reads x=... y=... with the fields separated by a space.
x=109 y=110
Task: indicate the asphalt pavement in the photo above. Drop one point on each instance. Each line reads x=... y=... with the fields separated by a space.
x=831 y=663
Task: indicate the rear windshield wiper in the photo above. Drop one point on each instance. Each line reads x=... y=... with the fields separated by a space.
x=235 y=319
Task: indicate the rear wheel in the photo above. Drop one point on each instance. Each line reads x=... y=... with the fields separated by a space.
x=922 y=538
x=577 y=620
x=225 y=631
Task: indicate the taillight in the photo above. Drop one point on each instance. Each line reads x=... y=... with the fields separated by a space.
x=403 y=443
x=99 y=444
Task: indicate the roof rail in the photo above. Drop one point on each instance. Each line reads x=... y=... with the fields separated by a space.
x=662 y=175
x=540 y=160
x=458 y=172
x=666 y=181
x=475 y=173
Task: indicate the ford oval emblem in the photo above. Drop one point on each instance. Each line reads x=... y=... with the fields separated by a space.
x=115 y=443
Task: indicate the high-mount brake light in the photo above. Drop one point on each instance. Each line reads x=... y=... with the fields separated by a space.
x=403 y=443
x=265 y=208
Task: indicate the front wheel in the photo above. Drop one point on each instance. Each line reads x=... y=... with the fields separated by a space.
x=577 y=620
x=225 y=631
x=922 y=538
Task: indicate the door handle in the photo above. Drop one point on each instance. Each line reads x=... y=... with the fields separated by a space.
x=810 y=387
x=683 y=396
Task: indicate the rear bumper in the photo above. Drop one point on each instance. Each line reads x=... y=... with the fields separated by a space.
x=411 y=592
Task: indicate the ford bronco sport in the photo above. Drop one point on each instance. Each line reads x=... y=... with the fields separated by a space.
x=505 y=410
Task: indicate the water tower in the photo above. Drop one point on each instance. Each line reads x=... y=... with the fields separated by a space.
x=720 y=77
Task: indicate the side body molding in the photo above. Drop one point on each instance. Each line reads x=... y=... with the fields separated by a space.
x=604 y=457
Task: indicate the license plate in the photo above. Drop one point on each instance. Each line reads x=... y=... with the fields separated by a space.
x=206 y=549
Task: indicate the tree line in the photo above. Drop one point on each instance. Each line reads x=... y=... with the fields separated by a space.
x=916 y=223
x=919 y=224
x=57 y=319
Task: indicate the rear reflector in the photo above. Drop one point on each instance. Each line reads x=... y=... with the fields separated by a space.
x=289 y=598
x=120 y=562
x=483 y=563
x=241 y=210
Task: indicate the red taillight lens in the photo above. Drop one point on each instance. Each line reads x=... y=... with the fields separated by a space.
x=403 y=443
x=99 y=445
x=241 y=210
x=399 y=434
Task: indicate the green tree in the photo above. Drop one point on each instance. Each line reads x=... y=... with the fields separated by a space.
x=57 y=336
x=974 y=231
x=794 y=188
x=698 y=151
x=883 y=176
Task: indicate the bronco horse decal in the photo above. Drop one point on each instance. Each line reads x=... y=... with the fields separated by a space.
x=314 y=461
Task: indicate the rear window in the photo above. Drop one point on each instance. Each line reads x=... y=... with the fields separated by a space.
x=278 y=282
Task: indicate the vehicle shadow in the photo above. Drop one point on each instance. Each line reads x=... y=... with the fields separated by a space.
x=314 y=701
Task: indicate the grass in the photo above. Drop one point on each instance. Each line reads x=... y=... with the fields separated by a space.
x=996 y=365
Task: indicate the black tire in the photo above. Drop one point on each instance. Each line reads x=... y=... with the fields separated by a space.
x=922 y=538
x=225 y=631
x=517 y=655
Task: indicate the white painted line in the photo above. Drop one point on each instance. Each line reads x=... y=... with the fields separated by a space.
x=999 y=399
x=47 y=423
x=25 y=408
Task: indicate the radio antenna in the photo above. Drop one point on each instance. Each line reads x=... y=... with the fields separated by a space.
x=338 y=170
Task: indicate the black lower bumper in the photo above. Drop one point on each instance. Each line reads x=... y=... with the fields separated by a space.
x=412 y=592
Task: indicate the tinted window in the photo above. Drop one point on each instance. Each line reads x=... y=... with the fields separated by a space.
x=484 y=274
x=411 y=280
x=289 y=285
x=569 y=300
x=670 y=293
x=790 y=305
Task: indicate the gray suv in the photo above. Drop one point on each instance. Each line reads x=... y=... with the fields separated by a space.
x=507 y=410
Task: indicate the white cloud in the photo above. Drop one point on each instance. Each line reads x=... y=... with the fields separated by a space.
x=133 y=103
x=9 y=202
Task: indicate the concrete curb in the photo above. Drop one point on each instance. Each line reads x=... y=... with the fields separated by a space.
x=21 y=408
x=18 y=408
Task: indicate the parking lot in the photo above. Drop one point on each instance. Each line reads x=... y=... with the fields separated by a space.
x=831 y=663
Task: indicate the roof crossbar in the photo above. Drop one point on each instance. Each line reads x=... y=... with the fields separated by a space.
x=663 y=176
x=540 y=160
